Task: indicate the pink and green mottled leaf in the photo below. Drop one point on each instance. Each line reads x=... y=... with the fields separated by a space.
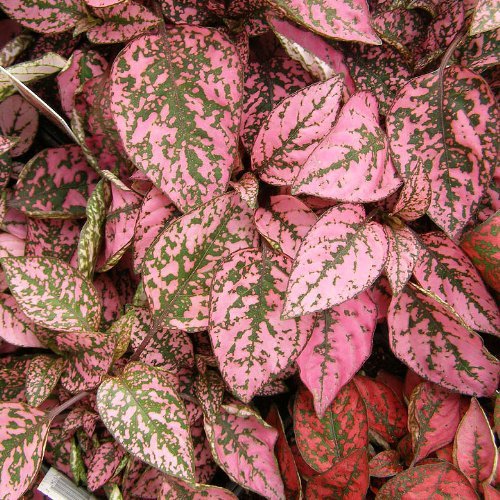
x=340 y=343
x=56 y=238
x=482 y=246
x=243 y=446
x=351 y=163
x=13 y=372
x=328 y=270
x=428 y=337
x=146 y=415
x=53 y=294
x=192 y=12
x=179 y=266
x=324 y=441
x=122 y=22
x=448 y=124
x=248 y=189
x=266 y=84
x=486 y=17
x=284 y=455
x=293 y=129
x=82 y=66
x=347 y=479
x=387 y=463
x=11 y=246
x=285 y=223
x=474 y=450
x=209 y=390
x=433 y=418
x=44 y=17
x=479 y=52
x=415 y=196
x=57 y=452
x=425 y=481
x=387 y=415
x=315 y=54
x=23 y=434
x=103 y=465
x=191 y=159
x=175 y=489
x=55 y=183
x=157 y=211
x=402 y=255
x=444 y=269
x=110 y=298
x=119 y=226
x=18 y=119
x=88 y=358
x=347 y=20
x=15 y=327
x=42 y=377
x=251 y=342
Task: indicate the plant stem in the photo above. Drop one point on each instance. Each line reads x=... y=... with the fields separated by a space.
x=56 y=411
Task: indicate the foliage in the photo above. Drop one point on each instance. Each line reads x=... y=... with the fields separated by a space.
x=250 y=246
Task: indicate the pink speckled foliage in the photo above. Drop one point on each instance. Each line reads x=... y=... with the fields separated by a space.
x=250 y=247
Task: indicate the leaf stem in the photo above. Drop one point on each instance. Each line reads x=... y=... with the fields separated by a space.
x=70 y=402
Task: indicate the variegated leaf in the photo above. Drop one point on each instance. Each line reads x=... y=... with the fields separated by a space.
x=19 y=119
x=424 y=481
x=103 y=465
x=13 y=372
x=44 y=17
x=482 y=246
x=53 y=294
x=266 y=84
x=191 y=159
x=449 y=124
x=387 y=463
x=209 y=389
x=445 y=270
x=402 y=255
x=110 y=298
x=175 y=489
x=324 y=441
x=15 y=327
x=285 y=223
x=179 y=266
x=415 y=196
x=248 y=189
x=433 y=418
x=193 y=12
x=347 y=20
x=387 y=415
x=293 y=129
x=284 y=455
x=340 y=257
x=55 y=183
x=242 y=444
x=42 y=377
x=88 y=358
x=428 y=337
x=56 y=238
x=23 y=434
x=16 y=45
x=122 y=22
x=351 y=163
x=252 y=343
x=474 y=450
x=340 y=343
x=486 y=17
x=146 y=415
x=157 y=211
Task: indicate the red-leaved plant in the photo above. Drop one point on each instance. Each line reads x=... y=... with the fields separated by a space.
x=250 y=248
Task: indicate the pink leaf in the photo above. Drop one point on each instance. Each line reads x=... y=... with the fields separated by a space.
x=347 y=20
x=385 y=464
x=103 y=464
x=429 y=338
x=433 y=418
x=485 y=18
x=189 y=160
x=474 y=450
x=53 y=294
x=293 y=129
x=252 y=343
x=402 y=255
x=285 y=224
x=248 y=189
x=242 y=444
x=340 y=343
x=351 y=163
x=460 y=156
x=188 y=251
x=324 y=441
x=328 y=269
x=175 y=489
x=444 y=269
x=42 y=377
